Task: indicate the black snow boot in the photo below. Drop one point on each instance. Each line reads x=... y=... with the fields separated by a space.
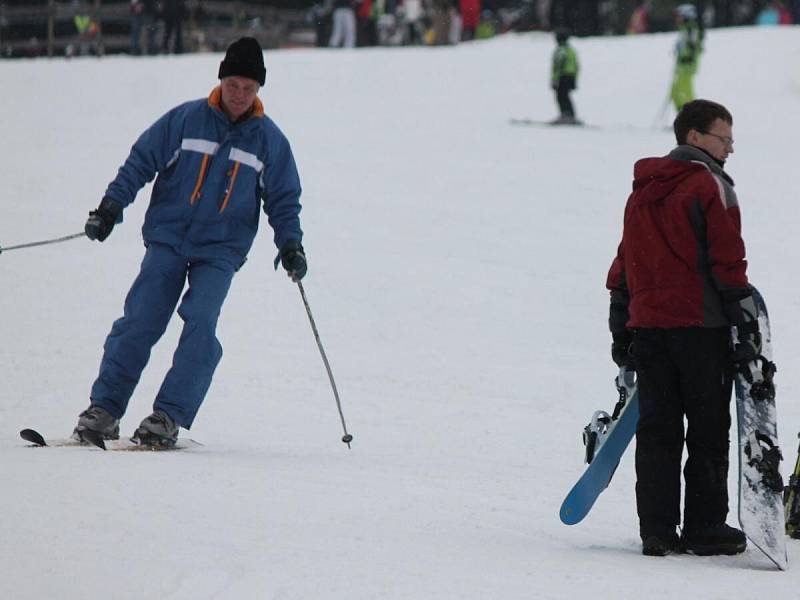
x=660 y=543
x=714 y=539
x=159 y=429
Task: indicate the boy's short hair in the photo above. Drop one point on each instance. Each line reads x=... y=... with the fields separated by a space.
x=698 y=115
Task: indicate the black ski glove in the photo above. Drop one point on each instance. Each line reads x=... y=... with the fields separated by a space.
x=744 y=315
x=294 y=260
x=101 y=221
x=621 y=349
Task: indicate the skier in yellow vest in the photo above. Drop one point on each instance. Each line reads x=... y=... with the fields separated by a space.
x=687 y=54
x=563 y=78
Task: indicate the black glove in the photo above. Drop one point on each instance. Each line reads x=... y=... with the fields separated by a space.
x=294 y=260
x=744 y=315
x=101 y=221
x=621 y=349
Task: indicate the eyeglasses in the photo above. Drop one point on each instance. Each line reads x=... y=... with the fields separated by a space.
x=728 y=141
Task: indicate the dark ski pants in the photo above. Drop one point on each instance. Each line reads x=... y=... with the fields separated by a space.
x=149 y=306
x=682 y=373
x=565 y=86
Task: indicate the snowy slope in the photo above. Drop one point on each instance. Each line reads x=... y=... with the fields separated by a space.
x=457 y=267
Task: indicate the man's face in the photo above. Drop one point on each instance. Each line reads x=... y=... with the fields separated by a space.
x=238 y=94
x=717 y=141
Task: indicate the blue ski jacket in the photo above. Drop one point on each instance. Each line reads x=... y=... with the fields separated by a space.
x=213 y=176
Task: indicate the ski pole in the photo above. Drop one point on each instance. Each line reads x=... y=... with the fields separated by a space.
x=660 y=116
x=659 y=120
x=346 y=438
x=43 y=242
x=792 y=501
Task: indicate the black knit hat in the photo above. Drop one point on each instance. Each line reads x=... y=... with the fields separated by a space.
x=562 y=35
x=245 y=59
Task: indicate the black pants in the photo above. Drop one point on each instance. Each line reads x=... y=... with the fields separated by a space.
x=682 y=373
x=173 y=27
x=565 y=85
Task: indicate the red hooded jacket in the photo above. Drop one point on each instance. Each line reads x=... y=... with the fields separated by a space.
x=364 y=9
x=470 y=13
x=682 y=258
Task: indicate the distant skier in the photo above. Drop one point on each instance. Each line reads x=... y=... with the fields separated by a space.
x=344 y=25
x=688 y=49
x=217 y=159
x=640 y=18
x=563 y=78
x=470 y=11
x=677 y=285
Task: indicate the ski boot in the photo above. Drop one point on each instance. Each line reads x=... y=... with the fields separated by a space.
x=95 y=423
x=159 y=429
x=566 y=120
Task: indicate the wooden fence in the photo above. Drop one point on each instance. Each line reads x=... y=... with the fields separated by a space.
x=210 y=25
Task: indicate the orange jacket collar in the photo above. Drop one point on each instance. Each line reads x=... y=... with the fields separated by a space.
x=215 y=101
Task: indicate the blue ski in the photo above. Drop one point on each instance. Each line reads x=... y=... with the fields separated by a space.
x=607 y=437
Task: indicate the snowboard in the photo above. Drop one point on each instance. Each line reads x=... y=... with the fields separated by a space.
x=37 y=441
x=606 y=438
x=761 y=510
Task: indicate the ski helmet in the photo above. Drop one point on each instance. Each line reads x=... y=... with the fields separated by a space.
x=562 y=35
x=687 y=11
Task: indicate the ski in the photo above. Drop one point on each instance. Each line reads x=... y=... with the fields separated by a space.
x=606 y=437
x=555 y=124
x=37 y=440
x=761 y=509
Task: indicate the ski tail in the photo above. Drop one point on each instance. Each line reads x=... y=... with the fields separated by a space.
x=606 y=438
x=95 y=438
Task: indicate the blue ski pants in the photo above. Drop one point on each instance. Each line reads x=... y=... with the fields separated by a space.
x=149 y=306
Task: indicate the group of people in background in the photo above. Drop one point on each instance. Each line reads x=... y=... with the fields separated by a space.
x=351 y=23
x=157 y=26
x=770 y=12
x=688 y=49
x=776 y=13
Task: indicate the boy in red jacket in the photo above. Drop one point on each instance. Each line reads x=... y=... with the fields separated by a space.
x=677 y=285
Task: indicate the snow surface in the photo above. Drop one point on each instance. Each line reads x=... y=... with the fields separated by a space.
x=457 y=269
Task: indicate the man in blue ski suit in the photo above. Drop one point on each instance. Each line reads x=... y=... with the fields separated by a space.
x=216 y=161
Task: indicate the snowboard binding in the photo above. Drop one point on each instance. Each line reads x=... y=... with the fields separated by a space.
x=760 y=374
x=765 y=388
x=766 y=457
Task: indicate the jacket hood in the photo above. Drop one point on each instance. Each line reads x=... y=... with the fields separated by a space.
x=692 y=153
x=662 y=175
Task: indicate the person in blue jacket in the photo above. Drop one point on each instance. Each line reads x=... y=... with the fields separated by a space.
x=217 y=163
